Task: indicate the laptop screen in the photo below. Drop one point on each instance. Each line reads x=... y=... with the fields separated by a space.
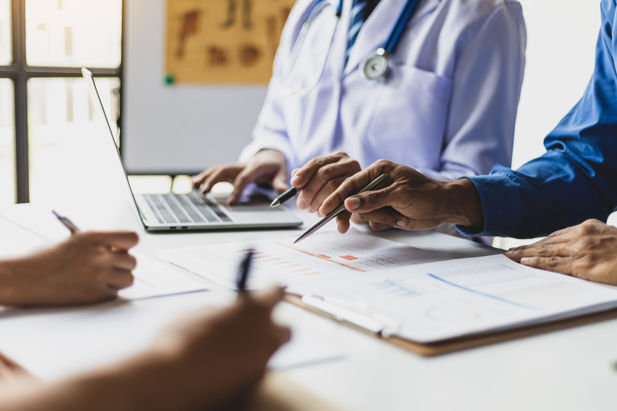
x=95 y=98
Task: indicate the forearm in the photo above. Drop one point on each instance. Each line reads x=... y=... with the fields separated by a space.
x=150 y=381
x=9 y=282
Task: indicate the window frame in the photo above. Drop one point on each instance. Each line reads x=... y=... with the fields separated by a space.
x=19 y=72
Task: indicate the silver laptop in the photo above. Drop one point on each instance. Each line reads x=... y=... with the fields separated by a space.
x=194 y=211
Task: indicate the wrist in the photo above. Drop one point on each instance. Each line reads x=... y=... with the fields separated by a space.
x=463 y=202
x=9 y=279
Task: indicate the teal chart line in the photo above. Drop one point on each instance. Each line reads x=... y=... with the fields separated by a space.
x=471 y=290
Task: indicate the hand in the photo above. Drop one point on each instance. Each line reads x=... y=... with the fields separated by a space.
x=220 y=354
x=411 y=201
x=267 y=166
x=87 y=268
x=320 y=177
x=587 y=250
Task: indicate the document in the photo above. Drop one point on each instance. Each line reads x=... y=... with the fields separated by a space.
x=439 y=301
x=394 y=289
x=58 y=343
x=326 y=258
x=153 y=277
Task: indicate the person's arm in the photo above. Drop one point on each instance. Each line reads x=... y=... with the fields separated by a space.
x=270 y=131
x=588 y=251
x=87 y=268
x=409 y=200
x=576 y=179
x=486 y=90
x=203 y=362
x=269 y=156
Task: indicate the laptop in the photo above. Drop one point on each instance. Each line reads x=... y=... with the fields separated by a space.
x=194 y=211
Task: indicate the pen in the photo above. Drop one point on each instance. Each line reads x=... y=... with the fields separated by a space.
x=66 y=222
x=340 y=209
x=245 y=268
x=284 y=197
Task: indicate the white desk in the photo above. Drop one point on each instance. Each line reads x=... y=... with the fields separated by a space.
x=565 y=370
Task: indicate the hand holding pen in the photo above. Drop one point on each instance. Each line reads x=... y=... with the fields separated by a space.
x=88 y=267
x=410 y=200
x=317 y=179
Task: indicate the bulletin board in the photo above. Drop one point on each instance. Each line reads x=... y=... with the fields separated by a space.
x=194 y=77
x=223 y=41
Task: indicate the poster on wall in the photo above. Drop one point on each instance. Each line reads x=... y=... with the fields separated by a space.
x=223 y=41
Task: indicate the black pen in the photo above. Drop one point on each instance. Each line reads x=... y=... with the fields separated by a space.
x=284 y=197
x=243 y=274
x=67 y=223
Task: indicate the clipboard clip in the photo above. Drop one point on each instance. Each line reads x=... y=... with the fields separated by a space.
x=380 y=327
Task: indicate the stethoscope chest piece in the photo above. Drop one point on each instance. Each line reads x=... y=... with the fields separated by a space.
x=376 y=67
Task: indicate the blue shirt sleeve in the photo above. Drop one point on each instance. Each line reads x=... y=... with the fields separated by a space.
x=576 y=179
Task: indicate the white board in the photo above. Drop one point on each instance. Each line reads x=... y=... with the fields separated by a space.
x=181 y=128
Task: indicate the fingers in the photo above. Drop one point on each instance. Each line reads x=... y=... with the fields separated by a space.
x=350 y=186
x=246 y=177
x=379 y=226
x=370 y=201
x=199 y=179
x=312 y=201
x=564 y=265
x=220 y=174
x=322 y=176
x=268 y=299
x=343 y=222
x=282 y=334
x=387 y=217
x=541 y=250
x=302 y=176
x=359 y=219
x=279 y=183
x=119 y=279
x=121 y=240
x=122 y=260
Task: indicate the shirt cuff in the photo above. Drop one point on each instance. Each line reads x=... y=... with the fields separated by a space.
x=272 y=142
x=500 y=201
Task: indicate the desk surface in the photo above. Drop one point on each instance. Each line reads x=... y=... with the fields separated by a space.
x=572 y=369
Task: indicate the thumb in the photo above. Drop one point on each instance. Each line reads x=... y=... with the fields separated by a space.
x=269 y=298
x=369 y=201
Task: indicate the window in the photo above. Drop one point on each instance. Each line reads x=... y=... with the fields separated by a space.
x=73 y=33
x=60 y=113
x=7 y=143
x=5 y=32
x=44 y=104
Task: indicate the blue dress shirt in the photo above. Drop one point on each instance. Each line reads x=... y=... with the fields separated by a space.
x=576 y=179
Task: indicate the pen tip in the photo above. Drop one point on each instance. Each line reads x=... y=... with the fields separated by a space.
x=275 y=203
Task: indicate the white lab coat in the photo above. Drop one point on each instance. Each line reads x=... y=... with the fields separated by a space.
x=448 y=108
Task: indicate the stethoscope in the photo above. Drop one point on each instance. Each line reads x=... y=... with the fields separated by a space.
x=374 y=68
x=377 y=67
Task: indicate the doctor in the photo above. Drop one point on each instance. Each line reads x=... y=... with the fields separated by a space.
x=432 y=84
x=571 y=188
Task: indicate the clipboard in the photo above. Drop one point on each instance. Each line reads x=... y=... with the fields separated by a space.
x=467 y=342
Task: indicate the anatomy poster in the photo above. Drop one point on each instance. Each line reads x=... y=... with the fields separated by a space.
x=223 y=41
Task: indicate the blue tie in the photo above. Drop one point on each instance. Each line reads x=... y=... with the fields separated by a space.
x=358 y=17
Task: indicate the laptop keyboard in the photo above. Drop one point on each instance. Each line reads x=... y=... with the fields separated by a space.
x=185 y=208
